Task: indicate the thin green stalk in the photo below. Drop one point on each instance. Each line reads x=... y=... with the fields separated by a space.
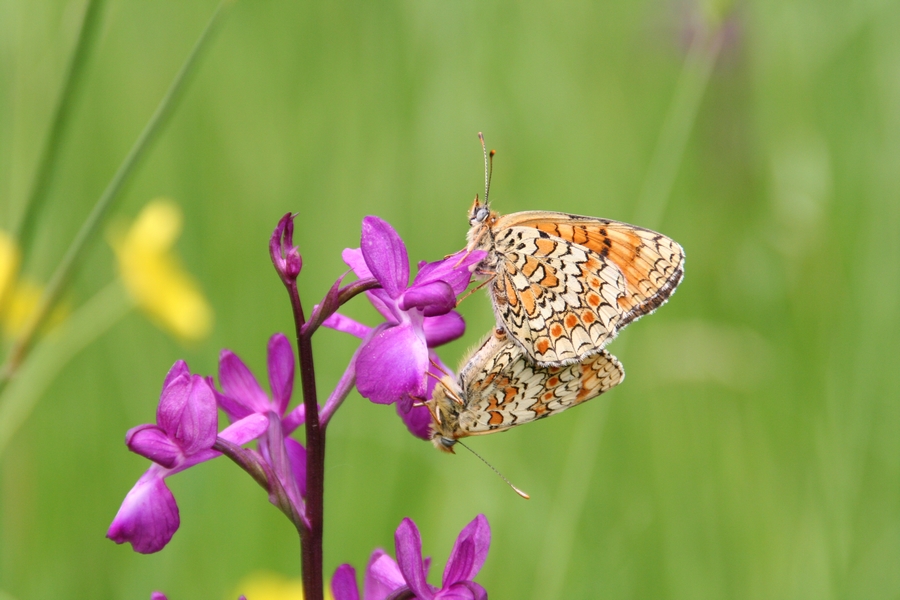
x=649 y=210
x=84 y=326
x=67 y=266
x=676 y=130
x=23 y=230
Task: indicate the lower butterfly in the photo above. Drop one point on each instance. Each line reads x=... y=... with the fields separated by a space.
x=499 y=387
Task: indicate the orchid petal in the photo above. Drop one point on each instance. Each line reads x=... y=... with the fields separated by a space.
x=456 y=270
x=343 y=583
x=281 y=371
x=385 y=255
x=380 y=299
x=463 y=590
x=248 y=428
x=271 y=446
x=470 y=551
x=179 y=368
x=172 y=402
x=354 y=259
x=150 y=441
x=460 y=562
x=434 y=298
x=417 y=420
x=234 y=409
x=345 y=324
x=294 y=419
x=408 y=546
x=148 y=517
x=444 y=328
x=239 y=384
x=296 y=455
x=390 y=366
x=187 y=413
x=383 y=576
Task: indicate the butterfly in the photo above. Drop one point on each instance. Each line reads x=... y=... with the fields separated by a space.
x=563 y=285
x=499 y=387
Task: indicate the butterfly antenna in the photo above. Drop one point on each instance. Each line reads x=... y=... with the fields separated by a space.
x=514 y=488
x=488 y=167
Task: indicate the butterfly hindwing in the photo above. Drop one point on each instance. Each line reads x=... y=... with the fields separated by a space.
x=558 y=300
x=502 y=388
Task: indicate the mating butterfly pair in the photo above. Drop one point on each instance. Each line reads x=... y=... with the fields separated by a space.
x=562 y=286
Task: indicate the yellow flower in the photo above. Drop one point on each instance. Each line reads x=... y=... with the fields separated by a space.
x=9 y=265
x=265 y=585
x=154 y=276
x=19 y=297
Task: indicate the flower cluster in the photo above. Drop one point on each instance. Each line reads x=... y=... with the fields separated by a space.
x=394 y=356
x=406 y=577
x=186 y=430
x=389 y=367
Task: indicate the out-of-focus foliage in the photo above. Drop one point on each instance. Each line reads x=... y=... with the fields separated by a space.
x=753 y=450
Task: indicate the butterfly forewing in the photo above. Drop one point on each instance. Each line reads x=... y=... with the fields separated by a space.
x=565 y=284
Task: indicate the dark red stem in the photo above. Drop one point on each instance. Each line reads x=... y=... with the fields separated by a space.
x=311 y=543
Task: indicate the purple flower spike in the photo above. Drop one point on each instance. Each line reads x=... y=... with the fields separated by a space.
x=157 y=596
x=393 y=359
x=285 y=256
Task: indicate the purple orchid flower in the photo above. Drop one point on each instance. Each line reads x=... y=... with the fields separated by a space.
x=406 y=578
x=393 y=358
x=242 y=396
x=184 y=434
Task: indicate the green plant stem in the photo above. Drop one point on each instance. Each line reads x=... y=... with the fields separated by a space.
x=651 y=206
x=84 y=326
x=64 y=271
x=676 y=130
x=23 y=230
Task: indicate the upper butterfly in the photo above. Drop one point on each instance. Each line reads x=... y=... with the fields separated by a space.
x=498 y=388
x=563 y=285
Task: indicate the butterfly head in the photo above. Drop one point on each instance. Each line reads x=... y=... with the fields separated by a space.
x=479 y=213
x=481 y=219
x=444 y=416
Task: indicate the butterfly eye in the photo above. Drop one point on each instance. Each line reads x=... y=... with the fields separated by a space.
x=447 y=442
x=481 y=214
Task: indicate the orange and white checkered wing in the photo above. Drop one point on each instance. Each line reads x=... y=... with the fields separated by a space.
x=502 y=388
x=564 y=285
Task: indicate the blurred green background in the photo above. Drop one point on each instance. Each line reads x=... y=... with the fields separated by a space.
x=753 y=450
